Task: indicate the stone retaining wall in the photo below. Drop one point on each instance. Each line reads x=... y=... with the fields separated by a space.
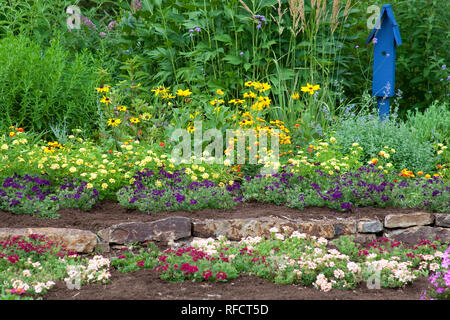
x=409 y=228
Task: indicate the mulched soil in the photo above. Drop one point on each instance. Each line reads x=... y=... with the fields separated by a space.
x=146 y=285
x=108 y=213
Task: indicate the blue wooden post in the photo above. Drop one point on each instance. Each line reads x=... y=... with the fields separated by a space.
x=386 y=37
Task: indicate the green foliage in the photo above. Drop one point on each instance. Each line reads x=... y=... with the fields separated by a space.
x=411 y=151
x=40 y=88
x=433 y=125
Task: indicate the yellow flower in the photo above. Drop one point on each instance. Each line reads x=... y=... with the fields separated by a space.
x=264 y=87
x=160 y=90
x=183 y=93
x=220 y=92
x=427 y=176
x=250 y=94
x=105 y=100
x=190 y=129
x=122 y=108
x=205 y=176
x=5 y=147
x=102 y=89
x=104 y=186
x=54 y=166
x=295 y=96
x=146 y=116
x=113 y=122
x=310 y=88
x=89 y=186
x=194 y=178
x=134 y=120
x=248 y=84
x=73 y=169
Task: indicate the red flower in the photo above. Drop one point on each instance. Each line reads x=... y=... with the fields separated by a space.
x=20 y=129
x=297 y=125
x=140 y=263
x=109 y=151
x=121 y=257
x=162 y=144
x=207 y=274
x=221 y=275
x=13 y=259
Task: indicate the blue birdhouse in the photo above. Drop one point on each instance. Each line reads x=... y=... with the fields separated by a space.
x=386 y=37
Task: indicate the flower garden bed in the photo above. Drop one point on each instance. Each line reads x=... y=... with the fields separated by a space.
x=120 y=233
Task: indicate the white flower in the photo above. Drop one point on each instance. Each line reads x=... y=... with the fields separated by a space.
x=339 y=274
x=26 y=273
x=274 y=230
x=279 y=236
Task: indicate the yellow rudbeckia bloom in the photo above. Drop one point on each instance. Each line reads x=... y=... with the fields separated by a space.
x=310 y=88
x=183 y=93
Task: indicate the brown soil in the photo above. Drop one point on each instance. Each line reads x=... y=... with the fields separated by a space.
x=109 y=213
x=146 y=285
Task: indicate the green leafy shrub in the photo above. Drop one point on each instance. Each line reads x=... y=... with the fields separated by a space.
x=42 y=87
x=433 y=124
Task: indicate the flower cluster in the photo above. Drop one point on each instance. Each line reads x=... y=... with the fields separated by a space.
x=289 y=257
x=31 y=265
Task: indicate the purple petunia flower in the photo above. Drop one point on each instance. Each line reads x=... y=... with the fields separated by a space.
x=346 y=205
x=375 y=40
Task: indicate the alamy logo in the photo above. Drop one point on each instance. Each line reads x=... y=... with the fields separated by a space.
x=373 y=21
x=74 y=20
x=74 y=279
x=259 y=151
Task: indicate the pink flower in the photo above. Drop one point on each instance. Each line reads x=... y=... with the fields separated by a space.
x=18 y=291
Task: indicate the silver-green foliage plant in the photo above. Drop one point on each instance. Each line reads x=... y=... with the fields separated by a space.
x=366 y=128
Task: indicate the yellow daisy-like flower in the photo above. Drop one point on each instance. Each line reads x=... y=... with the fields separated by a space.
x=191 y=129
x=250 y=94
x=220 y=92
x=146 y=116
x=264 y=87
x=168 y=96
x=310 y=88
x=248 y=83
x=105 y=100
x=160 y=90
x=114 y=122
x=295 y=96
x=122 y=108
x=102 y=89
x=183 y=93
x=134 y=120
